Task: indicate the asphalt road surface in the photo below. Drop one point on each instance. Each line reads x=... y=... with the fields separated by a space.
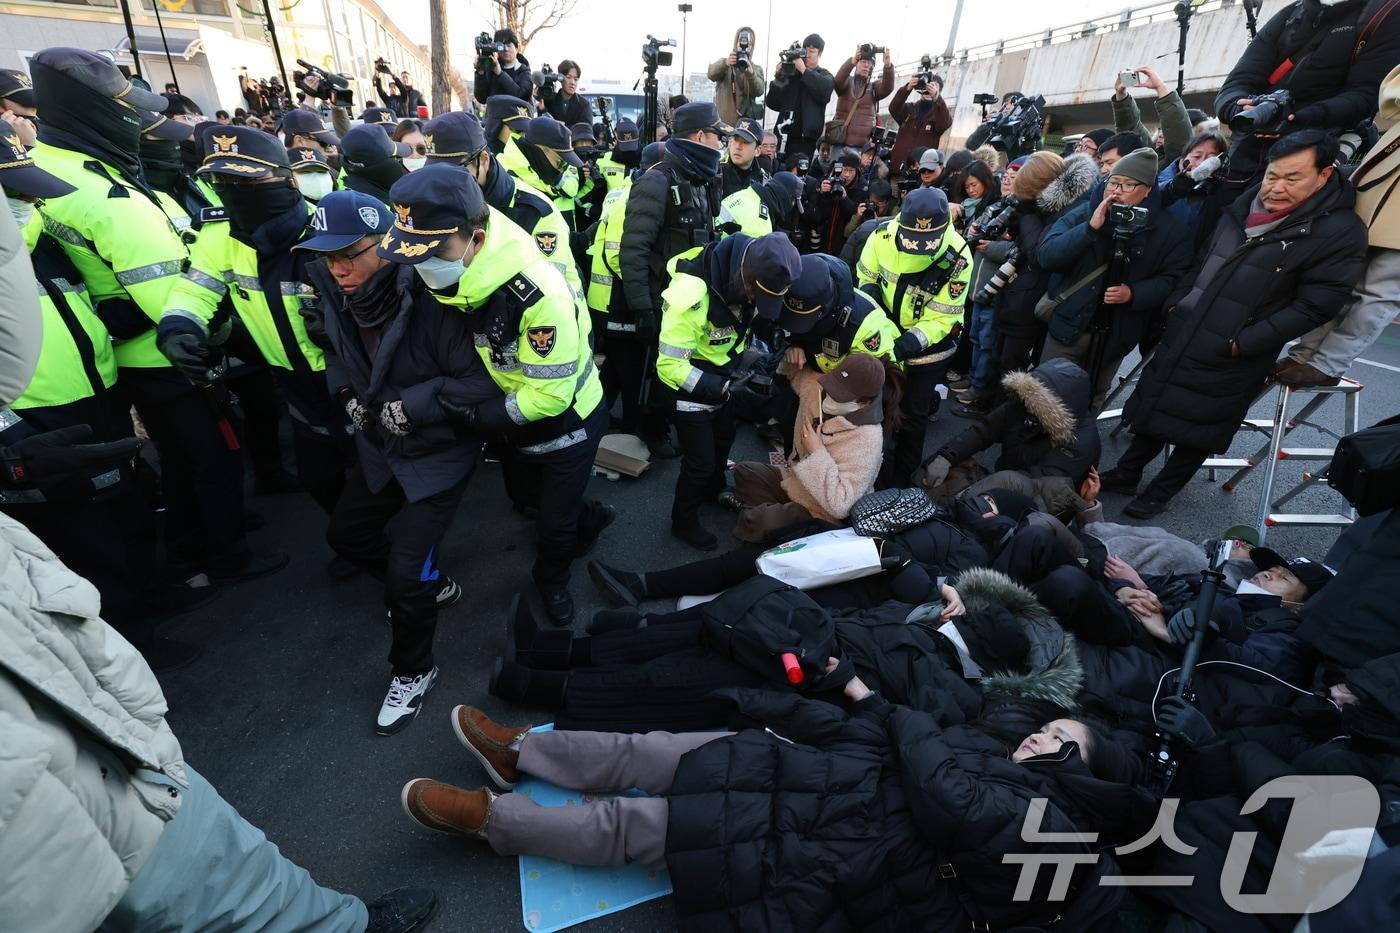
x=279 y=711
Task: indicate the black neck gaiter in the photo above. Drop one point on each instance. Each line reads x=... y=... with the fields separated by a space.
x=77 y=117
x=161 y=164
x=251 y=206
x=377 y=298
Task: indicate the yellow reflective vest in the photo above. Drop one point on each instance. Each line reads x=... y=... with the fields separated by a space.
x=923 y=295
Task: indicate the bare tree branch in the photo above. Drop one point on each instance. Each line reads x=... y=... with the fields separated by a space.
x=526 y=18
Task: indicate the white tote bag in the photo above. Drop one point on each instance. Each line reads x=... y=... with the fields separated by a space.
x=822 y=559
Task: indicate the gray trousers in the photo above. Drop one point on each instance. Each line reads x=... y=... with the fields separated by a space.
x=600 y=832
x=1375 y=301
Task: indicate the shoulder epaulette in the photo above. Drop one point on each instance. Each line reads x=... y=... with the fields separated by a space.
x=523 y=290
x=212 y=214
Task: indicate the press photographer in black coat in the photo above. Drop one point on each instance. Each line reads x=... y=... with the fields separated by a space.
x=804 y=93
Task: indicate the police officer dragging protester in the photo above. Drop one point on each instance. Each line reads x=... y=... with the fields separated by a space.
x=716 y=297
x=457 y=138
x=773 y=204
x=66 y=442
x=391 y=348
x=917 y=267
x=826 y=318
x=670 y=209
x=244 y=252
x=533 y=339
x=129 y=254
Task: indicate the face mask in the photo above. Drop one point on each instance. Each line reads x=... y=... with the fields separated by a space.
x=1247 y=588
x=834 y=408
x=315 y=185
x=414 y=163
x=439 y=273
x=21 y=211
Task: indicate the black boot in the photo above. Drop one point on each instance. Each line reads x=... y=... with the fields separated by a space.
x=621 y=587
x=614 y=620
x=516 y=684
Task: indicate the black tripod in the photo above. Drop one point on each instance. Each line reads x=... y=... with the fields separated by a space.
x=607 y=122
x=1101 y=328
x=650 y=105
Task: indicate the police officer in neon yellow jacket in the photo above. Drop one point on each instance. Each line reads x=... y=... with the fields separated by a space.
x=129 y=253
x=826 y=319
x=760 y=208
x=917 y=267
x=718 y=293
x=244 y=252
x=534 y=339
x=543 y=158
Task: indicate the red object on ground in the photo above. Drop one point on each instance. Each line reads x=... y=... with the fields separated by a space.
x=794 y=670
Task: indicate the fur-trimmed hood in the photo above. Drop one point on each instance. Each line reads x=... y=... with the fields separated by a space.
x=1074 y=181
x=1055 y=674
x=1056 y=394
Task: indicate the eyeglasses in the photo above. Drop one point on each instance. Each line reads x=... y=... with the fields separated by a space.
x=420 y=149
x=1125 y=185
x=337 y=259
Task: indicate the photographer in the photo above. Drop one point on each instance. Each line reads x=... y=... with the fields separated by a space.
x=1171 y=111
x=921 y=123
x=407 y=100
x=802 y=88
x=1015 y=129
x=1157 y=254
x=1283 y=259
x=504 y=70
x=1329 y=60
x=834 y=203
x=565 y=103
x=878 y=205
x=738 y=81
x=857 y=97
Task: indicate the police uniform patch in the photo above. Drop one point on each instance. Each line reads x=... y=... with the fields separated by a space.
x=955 y=289
x=542 y=339
x=547 y=242
x=831 y=347
x=959 y=266
x=872 y=343
x=763 y=211
x=212 y=214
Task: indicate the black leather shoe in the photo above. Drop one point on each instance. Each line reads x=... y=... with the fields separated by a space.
x=559 y=606
x=621 y=587
x=401 y=910
x=1116 y=480
x=594 y=519
x=695 y=536
x=661 y=448
x=1145 y=506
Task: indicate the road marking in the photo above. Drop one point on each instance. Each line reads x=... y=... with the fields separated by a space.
x=1394 y=369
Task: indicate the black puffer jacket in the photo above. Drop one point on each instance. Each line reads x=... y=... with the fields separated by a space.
x=1044 y=427
x=656 y=228
x=857 y=822
x=1264 y=292
x=805 y=96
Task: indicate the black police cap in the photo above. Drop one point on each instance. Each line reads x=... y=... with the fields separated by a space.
x=366 y=145
x=549 y=133
x=305 y=123
x=16 y=86
x=243 y=152
x=696 y=116
x=429 y=206
x=453 y=136
x=503 y=108
x=923 y=217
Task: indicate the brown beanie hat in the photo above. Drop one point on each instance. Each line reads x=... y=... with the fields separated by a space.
x=1140 y=165
x=1039 y=169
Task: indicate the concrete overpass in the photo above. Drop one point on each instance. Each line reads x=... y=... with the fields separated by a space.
x=1073 y=67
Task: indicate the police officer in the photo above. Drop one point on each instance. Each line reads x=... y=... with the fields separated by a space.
x=457 y=138
x=716 y=296
x=244 y=252
x=543 y=158
x=592 y=188
x=917 y=267
x=161 y=165
x=372 y=161
x=505 y=118
x=741 y=169
x=302 y=129
x=616 y=164
x=312 y=172
x=773 y=204
x=391 y=347
x=534 y=341
x=671 y=209
x=17 y=105
x=827 y=319
x=129 y=254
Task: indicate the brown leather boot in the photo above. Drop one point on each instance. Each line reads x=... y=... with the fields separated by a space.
x=490 y=742
x=447 y=809
x=1305 y=376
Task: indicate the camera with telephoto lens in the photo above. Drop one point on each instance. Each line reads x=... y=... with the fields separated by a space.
x=869 y=51
x=790 y=55
x=803 y=164
x=652 y=55
x=548 y=80
x=925 y=73
x=1268 y=114
x=1006 y=274
x=486 y=46
x=834 y=176
x=997 y=226
x=1127 y=219
x=741 y=54
x=1016 y=131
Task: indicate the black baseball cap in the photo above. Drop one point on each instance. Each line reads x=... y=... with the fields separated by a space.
x=19 y=174
x=626 y=130
x=549 y=133
x=430 y=205
x=243 y=152
x=922 y=219
x=305 y=123
x=304 y=157
x=453 y=137
x=812 y=291
x=161 y=126
x=366 y=145
x=96 y=72
x=380 y=116
x=16 y=86
x=1310 y=573
x=774 y=263
x=750 y=129
x=696 y=116
x=342 y=218
x=582 y=131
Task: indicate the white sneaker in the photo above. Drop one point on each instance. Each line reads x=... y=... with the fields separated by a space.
x=403 y=701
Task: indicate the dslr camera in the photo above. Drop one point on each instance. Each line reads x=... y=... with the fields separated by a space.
x=486 y=46
x=834 y=176
x=869 y=51
x=741 y=54
x=997 y=226
x=925 y=73
x=1006 y=274
x=1266 y=116
x=1127 y=219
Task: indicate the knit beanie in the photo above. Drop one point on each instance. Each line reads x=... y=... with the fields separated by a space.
x=1140 y=165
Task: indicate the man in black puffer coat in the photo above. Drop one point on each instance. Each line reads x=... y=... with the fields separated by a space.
x=1283 y=260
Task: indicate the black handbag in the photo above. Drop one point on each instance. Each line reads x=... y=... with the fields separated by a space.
x=755 y=623
x=1366 y=467
x=889 y=511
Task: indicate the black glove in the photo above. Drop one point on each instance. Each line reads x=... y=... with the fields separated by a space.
x=461 y=414
x=55 y=456
x=188 y=350
x=1182 y=721
x=315 y=323
x=1182 y=626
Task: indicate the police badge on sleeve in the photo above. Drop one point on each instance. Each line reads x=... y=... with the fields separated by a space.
x=955 y=289
x=547 y=242
x=542 y=339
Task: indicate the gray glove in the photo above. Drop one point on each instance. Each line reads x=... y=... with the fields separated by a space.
x=394 y=419
x=933 y=473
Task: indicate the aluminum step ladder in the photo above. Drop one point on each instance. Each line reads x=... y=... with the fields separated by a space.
x=1273 y=451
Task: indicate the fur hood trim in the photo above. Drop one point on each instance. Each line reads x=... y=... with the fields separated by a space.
x=1056 y=674
x=1042 y=404
x=1074 y=181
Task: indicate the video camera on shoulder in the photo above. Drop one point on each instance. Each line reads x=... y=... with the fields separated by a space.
x=486 y=46
x=333 y=86
x=788 y=56
x=742 y=57
x=1017 y=129
x=1268 y=114
x=548 y=80
x=1126 y=219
